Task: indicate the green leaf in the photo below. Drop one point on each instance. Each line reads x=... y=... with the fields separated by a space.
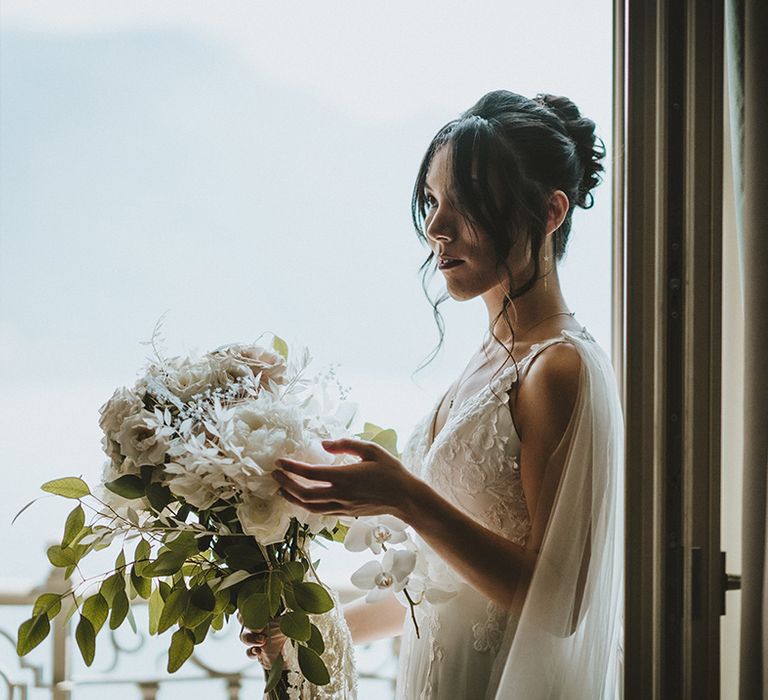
x=245 y=556
x=234 y=578
x=255 y=611
x=201 y=631
x=256 y=585
x=312 y=666
x=274 y=591
x=166 y=564
x=31 y=633
x=193 y=616
x=202 y=597
x=132 y=621
x=340 y=532
x=312 y=597
x=182 y=646
x=86 y=640
x=155 y=609
x=110 y=586
x=146 y=471
x=293 y=570
x=223 y=599
x=60 y=557
x=48 y=604
x=95 y=609
x=128 y=486
x=280 y=346
x=290 y=599
x=120 y=561
x=316 y=641
x=120 y=607
x=275 y=673
x=185 y=543
x=74 y=605
x=371 y=428
x=174 y=608
x=16 y=517
x=165 y=590
x=159 y=496
x=75 y=523
x=69 y=487
x=143 y=586
x=388 y=440
x=296 y=625
x=218 y=622
x=141 y=556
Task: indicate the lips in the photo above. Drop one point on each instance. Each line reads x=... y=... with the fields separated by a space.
x=445 y=263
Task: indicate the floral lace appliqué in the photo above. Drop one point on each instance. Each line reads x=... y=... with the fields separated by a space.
x=489 y=633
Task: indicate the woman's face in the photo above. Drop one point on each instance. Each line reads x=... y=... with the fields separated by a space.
x=450 y=235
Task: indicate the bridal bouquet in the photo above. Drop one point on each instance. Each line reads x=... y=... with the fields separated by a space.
x=187 y=494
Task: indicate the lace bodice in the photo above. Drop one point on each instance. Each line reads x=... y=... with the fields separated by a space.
x=473 y=462
x=468 y=646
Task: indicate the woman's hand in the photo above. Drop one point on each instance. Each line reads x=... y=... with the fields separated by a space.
x=376 y=485
x=265 y=644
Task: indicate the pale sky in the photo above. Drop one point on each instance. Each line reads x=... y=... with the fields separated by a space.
x=246 y=167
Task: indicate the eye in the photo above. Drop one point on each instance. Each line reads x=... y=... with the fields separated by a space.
x=429 y=200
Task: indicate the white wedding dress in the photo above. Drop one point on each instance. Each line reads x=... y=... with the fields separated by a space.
x=466 y=647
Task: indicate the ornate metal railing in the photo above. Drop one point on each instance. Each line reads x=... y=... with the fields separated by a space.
x=54 y=670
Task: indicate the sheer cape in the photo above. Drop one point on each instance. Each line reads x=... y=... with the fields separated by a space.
x=565 y=634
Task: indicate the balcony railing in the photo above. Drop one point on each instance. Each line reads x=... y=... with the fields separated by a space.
x=131 y=665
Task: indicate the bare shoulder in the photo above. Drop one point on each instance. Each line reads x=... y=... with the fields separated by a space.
x=548 y=390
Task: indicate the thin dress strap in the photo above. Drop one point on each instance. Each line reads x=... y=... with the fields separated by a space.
x=535 y=351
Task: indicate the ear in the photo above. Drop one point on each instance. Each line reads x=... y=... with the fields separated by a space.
x=558 y=209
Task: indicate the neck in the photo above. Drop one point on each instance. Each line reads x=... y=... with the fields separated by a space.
x=526 y=311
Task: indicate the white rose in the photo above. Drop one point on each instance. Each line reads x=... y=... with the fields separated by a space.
x=188 y=377
x=265 y=519
x=257 y=359
x=124 y=402
x=142 y=439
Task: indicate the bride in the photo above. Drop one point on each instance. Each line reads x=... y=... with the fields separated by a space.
x=513 y=482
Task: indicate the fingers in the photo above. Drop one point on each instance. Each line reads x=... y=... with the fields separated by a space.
x=251 y=638
x=327 y=507
x=314 y=472
x=304 y=493
x=362 y=448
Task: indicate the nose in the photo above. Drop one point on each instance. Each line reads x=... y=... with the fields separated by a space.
x=441 y=227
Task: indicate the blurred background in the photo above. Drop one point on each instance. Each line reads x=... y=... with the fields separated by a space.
x=243 y=167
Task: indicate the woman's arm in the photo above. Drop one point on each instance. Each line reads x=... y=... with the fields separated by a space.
x=381 y=484
x=369 y=622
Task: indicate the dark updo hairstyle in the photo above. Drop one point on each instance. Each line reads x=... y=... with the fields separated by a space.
x=526 y=149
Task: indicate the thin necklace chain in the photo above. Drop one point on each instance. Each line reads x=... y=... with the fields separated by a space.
x=462 y=379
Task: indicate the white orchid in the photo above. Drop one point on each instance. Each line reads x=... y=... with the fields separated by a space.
x=389 y=575
x=374 y=532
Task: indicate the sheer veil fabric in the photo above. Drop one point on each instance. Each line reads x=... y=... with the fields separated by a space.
x=565 y=639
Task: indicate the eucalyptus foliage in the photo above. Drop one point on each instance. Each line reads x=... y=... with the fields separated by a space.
x=194 y=567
